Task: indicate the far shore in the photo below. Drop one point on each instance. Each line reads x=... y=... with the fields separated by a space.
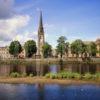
x=43 y=80
x=45 y=61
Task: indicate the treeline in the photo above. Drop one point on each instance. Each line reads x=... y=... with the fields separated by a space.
x=77 y=47
x=30 y=48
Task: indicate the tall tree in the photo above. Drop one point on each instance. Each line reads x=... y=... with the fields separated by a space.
x=30 y=48
x=47 y=50
x=77 y=47
x=15 y=48
x=61 y=45
x=91 y=49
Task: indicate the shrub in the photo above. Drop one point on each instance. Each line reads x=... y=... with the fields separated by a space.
x=88 y=76
x=69 y=75
x=76 y=76
x=31 y=75
x=47 y=75
x=53 y=76
x=24 y=74
x=97 y=75
x=15 y=74
x=59 y=76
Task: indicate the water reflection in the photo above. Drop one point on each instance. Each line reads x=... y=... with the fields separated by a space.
x=40 y=69
x=49 y=92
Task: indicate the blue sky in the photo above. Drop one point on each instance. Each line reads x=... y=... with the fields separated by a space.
x=75 y=19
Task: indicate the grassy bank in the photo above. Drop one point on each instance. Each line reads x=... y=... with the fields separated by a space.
x=43 y=80
x=73 y=75
x=51 y=78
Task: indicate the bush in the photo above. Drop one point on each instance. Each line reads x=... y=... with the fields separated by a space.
x=97 y=75
x=59 y=76
x=15 y=74
x=76 y=76
x=24 y=74
x=72 y=75
x=88 y=76
x=69 y=75
x=31 y=75
x=53 y=76
x=47 y=75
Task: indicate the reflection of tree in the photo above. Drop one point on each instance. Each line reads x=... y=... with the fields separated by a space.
x=61 y=64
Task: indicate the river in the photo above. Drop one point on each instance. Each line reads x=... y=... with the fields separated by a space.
x=49 y=92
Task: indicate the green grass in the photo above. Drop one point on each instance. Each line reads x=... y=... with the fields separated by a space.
x=73 y=75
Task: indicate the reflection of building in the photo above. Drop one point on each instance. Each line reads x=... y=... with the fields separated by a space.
x=4 y=53
x=98 y=47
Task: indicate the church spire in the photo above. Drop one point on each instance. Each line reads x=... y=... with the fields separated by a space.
x=41 y=39
x=41 y=30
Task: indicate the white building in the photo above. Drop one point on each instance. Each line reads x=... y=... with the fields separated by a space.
x=4 y=53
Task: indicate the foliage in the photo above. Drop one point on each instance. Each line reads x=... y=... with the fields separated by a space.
x=77 y=75
x=73 y=75
x=97 y=75
x=15 y=48
x=63 y=75
x=24 y=74
x=62 y=46
x=31 y=75
x=15 y=74
x=30 y=48
x=77 y=47
x=47 y=75
x=88 y=76
x=91 y=49
x=47 y=50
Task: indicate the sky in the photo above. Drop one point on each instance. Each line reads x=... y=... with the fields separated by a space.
x=74 y=19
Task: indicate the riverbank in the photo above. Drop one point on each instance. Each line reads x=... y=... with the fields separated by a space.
x=46 y=61
x=43 y=80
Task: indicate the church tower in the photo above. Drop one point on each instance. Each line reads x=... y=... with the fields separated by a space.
x=41 y=39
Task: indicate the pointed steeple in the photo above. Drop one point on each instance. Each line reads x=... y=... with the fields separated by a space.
x=41 y=39
x=40 y=29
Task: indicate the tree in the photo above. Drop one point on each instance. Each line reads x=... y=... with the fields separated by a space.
x=15 y=48
x=30 y=48
x=77 y=47
x=91 y=49
x=61 y=46
x=47 y=50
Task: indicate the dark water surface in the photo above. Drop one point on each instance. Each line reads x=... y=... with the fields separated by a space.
x=49 y=92
x=39 y=69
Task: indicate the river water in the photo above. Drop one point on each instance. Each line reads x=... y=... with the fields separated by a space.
x=49 y=92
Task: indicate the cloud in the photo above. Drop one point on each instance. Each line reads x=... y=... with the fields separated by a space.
x=9 y=28
x=27 y=36
x=6 y=7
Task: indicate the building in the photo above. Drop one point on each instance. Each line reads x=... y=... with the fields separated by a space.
x=4 y=53
x=98 y=47
x=41 y=39
x=22 y=54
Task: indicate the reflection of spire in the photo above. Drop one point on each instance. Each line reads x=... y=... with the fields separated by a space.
x=40 y=30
